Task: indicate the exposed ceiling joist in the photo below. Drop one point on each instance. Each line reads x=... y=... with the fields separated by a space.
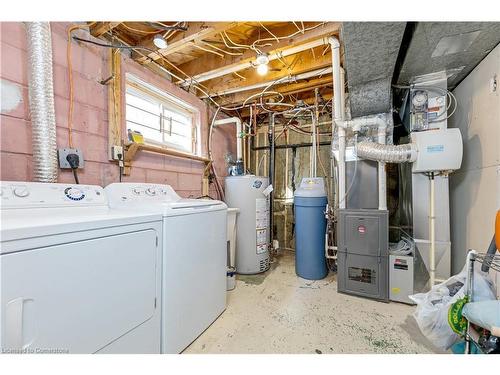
x=285 y=47
x=306 y=63
x=195 y=31
x=308 y=100
x=222 y=55
x=100 y=28
x=287 y=89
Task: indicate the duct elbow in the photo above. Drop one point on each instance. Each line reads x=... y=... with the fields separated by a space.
x=359 y=122
x=406 y=153
x=334 y=42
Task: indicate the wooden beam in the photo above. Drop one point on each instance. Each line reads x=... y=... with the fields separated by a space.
x=309 y=100
x=131 y=149
x=301 y=63
x=195 y=32
x=99 y=28
x=288 y=89
x=211 y=64
x=114 y=101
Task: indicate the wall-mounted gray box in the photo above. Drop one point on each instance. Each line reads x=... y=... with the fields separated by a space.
x=62 y=153
x=363 y=248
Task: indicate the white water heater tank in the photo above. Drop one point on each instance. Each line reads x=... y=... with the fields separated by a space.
x=252 y=226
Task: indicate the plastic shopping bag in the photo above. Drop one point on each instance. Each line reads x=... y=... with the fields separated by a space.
x=485 y=314
x=431 y=313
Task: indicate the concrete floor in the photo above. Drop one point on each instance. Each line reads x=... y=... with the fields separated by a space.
x=278 y=312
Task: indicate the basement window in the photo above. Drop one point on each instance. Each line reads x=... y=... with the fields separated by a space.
x=161 y=118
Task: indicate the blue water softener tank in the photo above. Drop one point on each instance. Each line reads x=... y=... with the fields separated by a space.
x=310 y=225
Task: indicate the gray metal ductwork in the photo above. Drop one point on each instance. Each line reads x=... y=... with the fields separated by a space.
x=371 y=50
x=41 y=101
x=456 y=47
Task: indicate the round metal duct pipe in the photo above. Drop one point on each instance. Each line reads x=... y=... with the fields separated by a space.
x=41 y=101
x=386 y=153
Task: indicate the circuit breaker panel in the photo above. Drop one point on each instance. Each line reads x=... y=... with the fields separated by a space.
x=363 y=253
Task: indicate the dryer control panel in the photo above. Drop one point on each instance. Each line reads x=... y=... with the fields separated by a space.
x=36 y=194
x=129 y=193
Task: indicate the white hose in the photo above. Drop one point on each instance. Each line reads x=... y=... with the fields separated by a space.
x=403 y=247
x=41 y=101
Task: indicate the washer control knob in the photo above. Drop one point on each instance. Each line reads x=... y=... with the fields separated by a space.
x=74 y=194
x=137 y=191
x=151 y=191
x=21 y=191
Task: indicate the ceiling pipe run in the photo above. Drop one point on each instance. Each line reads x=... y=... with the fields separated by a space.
x=287 y=79
x=41 y=101
x=250 y=64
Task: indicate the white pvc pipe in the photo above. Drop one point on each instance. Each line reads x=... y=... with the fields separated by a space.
x=239 y=138
x=382 y=176
x=338 y=87
x=432 y=229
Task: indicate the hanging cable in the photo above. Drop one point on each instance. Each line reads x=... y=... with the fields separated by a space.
x=222 y=50
x=70 y=79
x=130 y=28
x=265 y=28
x=167 y=27
x=207 y=50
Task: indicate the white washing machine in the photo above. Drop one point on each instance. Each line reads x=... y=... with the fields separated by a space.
x=77 y=276
x=194 y=258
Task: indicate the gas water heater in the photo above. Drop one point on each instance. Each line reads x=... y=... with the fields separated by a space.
x=246 y=192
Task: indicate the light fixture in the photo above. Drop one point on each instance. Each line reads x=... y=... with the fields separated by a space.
x=262 y=60
x=262 y=69
x=159 y=41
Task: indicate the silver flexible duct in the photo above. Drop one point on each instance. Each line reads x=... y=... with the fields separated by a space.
x=41 y=101
x=386 y=153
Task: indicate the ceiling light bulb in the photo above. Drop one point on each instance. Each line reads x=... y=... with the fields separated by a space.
x=262 y=58
x=262 y=69
x=159 y=41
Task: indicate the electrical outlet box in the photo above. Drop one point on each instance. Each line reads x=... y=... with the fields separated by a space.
x=116 y=151
x=63 y=152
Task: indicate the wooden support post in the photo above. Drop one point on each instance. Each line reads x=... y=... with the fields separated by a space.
x=205 y=182
x=114 y=102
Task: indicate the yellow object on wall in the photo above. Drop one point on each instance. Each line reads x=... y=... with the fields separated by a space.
x=135 y=136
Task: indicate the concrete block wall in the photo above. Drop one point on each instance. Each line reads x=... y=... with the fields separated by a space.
x=90 y=116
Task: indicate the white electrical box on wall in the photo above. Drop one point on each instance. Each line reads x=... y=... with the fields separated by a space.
x=437 y=150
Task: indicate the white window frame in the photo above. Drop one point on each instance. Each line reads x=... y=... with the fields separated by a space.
x=169 y=102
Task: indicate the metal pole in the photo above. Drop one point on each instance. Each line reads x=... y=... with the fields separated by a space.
x=432 y=230
x=291 y=145
x=469 y=295
x=270 y=134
